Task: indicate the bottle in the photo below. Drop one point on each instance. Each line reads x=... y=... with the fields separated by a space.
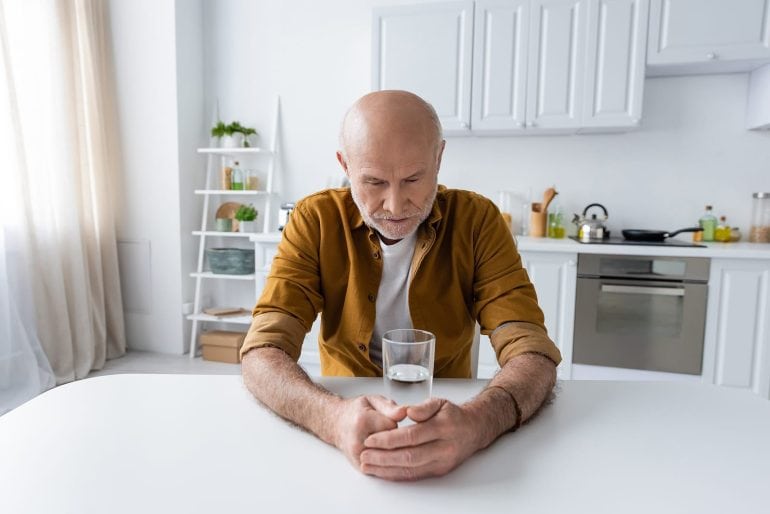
x=708 y=223
x=237 y=184
x=556 y=228
x=722 y=232
x=227 y=178
x=760 y=219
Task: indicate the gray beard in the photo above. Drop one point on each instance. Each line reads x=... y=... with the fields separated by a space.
x=374 y=224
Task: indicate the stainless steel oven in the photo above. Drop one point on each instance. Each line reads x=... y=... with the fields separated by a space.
x=641 y=312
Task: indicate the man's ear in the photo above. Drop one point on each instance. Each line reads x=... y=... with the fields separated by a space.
x=440 y=154
x=343 y=163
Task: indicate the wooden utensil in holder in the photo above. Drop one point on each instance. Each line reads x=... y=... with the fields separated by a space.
x=538 y=215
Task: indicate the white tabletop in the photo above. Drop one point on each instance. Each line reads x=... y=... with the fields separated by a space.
x=183 y=443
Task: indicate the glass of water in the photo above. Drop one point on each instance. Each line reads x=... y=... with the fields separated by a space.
x=407 y=365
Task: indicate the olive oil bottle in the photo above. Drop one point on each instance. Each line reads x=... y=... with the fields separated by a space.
x=708 y=222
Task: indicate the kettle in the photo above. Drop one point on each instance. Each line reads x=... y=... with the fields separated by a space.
x=593 y=228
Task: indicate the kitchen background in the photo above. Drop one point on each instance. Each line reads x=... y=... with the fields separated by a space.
x=175 y=59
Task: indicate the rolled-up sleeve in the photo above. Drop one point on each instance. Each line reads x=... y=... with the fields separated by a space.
x=291 y=298
x=504 y=298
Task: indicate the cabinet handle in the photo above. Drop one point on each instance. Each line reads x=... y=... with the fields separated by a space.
x=711 y=56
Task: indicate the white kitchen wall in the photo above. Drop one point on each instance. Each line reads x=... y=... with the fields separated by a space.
x=176 y=60
x=691 y=149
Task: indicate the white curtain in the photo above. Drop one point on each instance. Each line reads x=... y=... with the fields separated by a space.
x=58 y=168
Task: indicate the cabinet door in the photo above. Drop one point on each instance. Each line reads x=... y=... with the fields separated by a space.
x=554 y=277
x=556 y=63
x=698 y=31
x=426 y=49
x=617 y=37
x=500 y=45
x=737 y=344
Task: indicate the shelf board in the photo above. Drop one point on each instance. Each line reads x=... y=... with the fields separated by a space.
x=235 y=151
x=223 y=234
x=209 y=274
x=241 y=320
x=265 y=237
x=228 y=192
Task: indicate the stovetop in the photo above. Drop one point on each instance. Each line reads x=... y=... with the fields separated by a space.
x=618 y=241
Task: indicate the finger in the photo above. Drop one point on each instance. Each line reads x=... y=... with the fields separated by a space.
x=411 y=457
x=402 y=437
x=405 y=474
x=425 y=410
x=387 y=407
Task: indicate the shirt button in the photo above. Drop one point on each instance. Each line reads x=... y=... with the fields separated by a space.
x=376 y=255
x=362 y=347
x=371 y=297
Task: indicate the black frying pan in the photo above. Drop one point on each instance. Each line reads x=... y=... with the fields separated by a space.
x=655 y=235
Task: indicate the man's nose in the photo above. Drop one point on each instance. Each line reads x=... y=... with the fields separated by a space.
x=393 y=202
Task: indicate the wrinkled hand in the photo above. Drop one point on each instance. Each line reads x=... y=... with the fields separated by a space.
x=362 y=416
x=442 y=438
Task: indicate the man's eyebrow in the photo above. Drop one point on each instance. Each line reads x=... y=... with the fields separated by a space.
x=417 y=173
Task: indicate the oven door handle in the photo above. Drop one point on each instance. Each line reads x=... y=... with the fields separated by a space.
x=659 y=291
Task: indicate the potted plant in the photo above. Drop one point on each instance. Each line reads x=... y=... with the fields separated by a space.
x=224 y=135
x=232 y=135
x=246 y=216
x=236 y=128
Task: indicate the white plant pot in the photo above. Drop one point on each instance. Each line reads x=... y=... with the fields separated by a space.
x=247 y=226
x=233 y=141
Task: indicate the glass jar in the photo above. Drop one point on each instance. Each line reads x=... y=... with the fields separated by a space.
x=556 y=228
x=252 y=180
x=760 y=219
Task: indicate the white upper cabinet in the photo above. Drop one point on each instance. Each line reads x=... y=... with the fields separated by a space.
x=539 y=66
x=615 y=63
x=556 y=64
x=708 y=36
x=427 y=49
x=500 y=47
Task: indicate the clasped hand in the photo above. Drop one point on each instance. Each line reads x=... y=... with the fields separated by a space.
x=441 y=438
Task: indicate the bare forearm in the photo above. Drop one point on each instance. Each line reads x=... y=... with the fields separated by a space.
x=279 y=383
x=528 y=378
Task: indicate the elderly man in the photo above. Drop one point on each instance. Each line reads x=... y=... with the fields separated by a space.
x=397 y=250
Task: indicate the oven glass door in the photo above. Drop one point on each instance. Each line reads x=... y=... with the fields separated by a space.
x=640 y=324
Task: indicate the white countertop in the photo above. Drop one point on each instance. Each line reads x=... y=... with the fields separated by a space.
x=186 y=443
x=722 y=250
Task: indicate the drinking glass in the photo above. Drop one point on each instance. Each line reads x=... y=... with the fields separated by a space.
x=407 y=365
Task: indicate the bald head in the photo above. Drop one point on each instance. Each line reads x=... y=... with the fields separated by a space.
x=389 y=115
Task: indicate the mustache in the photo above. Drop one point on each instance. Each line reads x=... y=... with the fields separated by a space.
x=388 y=217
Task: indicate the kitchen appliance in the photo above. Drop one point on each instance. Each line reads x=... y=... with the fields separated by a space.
x=284 y=213
x=593 y=228
x=655 y=235
x=641 y=312
x=628 y=242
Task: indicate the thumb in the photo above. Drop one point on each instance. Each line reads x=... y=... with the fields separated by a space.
x=387 y=407
x=425 y=410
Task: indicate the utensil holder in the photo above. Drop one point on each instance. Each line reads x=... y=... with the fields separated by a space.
x=537 y=223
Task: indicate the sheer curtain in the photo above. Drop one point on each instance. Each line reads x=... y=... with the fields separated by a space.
x=58 y=163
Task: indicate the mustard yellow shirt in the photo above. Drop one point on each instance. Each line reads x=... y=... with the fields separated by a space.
x=465 y=269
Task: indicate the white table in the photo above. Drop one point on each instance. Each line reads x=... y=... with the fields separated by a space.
x=182 y=443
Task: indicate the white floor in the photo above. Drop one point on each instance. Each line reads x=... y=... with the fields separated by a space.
x=147 y=362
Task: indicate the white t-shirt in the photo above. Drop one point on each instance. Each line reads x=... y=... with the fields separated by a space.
x=392 y=307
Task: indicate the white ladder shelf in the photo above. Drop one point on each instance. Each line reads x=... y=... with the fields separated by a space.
x=216 y=160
